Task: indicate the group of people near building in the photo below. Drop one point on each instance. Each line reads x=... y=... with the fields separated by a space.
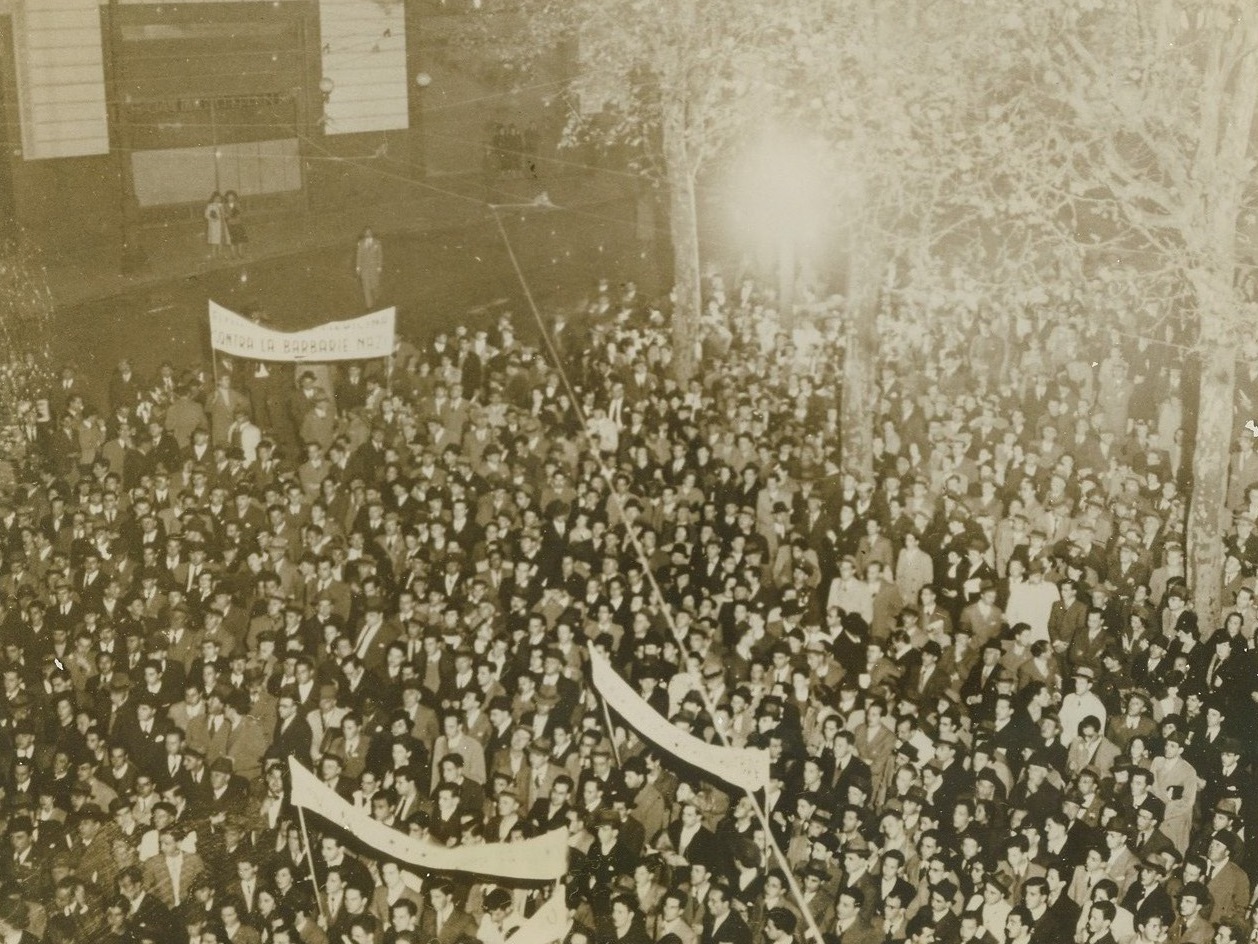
x=991 y=710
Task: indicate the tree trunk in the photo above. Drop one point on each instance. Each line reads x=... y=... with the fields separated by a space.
x=644 y=214
x=1207 y=517
x=860 y=360
x=788 y=275
x=683 y=220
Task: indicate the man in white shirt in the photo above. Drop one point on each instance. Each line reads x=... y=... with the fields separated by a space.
x=455 y=740
x=1031 y=600
x=1080 y=704
x=172 y=872
x=996 y=908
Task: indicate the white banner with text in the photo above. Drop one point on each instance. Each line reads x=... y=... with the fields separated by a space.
x=542 y=857
x=744 y=767
x=355 y=339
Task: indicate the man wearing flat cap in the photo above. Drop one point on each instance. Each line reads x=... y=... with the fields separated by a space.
x=227 y=791
x=324 y=719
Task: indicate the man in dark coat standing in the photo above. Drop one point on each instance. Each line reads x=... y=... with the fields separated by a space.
x=292 y=733
x=369 y=266
x=723 y=925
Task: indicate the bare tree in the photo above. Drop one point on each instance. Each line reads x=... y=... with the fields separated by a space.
x=26 y=323
x=1145 y=111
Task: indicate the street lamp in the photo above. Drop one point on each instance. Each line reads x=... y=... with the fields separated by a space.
x=783 y=198
x=539 y=202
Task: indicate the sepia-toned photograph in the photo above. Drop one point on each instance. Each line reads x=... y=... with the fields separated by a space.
x=628 y=472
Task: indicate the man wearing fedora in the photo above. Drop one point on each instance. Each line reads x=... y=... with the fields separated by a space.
x=1121 y=865
x=1148 y=894
x=1229 y=778
x=1224 y=818
x=1226 y=881
x=1080 y=704
x=1175 y=782
x=1191 y=925
x=1149 y=839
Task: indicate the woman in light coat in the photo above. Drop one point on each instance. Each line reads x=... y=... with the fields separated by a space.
x=216 y=225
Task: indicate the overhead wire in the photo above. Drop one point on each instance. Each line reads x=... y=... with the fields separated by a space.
x=166 y=125
x=661 y=603
x=509 y=195
x=440 y=106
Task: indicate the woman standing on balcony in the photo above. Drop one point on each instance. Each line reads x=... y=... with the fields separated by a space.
x=216 y=225
x=232 y=215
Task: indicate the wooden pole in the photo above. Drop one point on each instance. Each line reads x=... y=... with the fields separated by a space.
x=314 y=879
x=611 y=731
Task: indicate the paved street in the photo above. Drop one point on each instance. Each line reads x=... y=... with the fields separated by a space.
x=437 y=278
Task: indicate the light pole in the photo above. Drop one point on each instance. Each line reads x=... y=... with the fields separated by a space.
x=133 y=257
x=540 y=202
x=785 y=202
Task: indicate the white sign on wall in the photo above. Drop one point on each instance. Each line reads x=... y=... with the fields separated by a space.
x=60 y=78
x=364 y=58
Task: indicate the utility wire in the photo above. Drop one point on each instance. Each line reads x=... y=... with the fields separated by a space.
x=661 y=604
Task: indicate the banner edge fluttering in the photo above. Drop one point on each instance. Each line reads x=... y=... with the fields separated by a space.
x=744 y=767
x=541 y=858
x=541 y=927
x=365 y=337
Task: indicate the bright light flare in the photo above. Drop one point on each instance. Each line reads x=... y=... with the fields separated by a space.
x=780 y=191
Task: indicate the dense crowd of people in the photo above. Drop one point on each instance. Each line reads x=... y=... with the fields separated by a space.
x=991 y=710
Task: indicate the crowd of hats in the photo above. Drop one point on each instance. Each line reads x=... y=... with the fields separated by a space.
x=939 y=743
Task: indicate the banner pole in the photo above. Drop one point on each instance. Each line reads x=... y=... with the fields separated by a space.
x=611 y=731
x=213 y=351
x=314 y=879
x=542 y=857
x=813 y=931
